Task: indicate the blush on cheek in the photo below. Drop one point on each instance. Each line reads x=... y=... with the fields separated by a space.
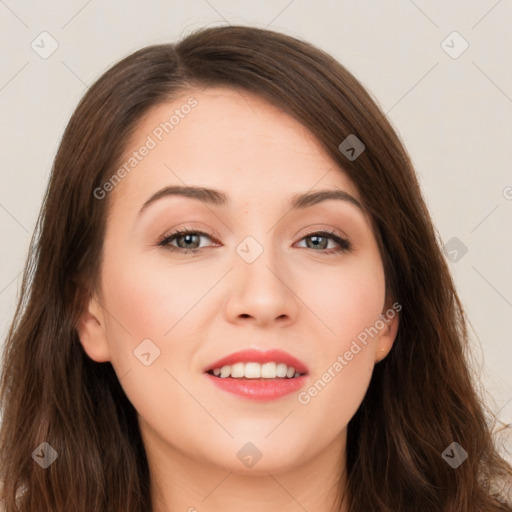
x=348 y=308
x=139 y=298
x=159 y=304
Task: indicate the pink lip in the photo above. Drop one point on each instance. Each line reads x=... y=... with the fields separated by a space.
x=259 y=389
x=257 y=356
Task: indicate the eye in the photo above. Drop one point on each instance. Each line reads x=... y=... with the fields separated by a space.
x=320 y=240
x=186 y=240
x=189 y=241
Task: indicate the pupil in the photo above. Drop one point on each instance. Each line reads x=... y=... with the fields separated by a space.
x=187 y=240
x=315 y=238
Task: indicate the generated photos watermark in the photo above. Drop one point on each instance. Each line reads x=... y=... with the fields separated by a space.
x=152 y=140
x=305 y=397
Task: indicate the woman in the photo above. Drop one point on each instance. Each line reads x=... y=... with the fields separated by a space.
x=236 y=297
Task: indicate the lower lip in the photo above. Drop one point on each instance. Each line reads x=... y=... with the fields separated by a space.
x=258 y=389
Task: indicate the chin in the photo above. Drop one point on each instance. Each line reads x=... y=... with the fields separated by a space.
x=255 y=455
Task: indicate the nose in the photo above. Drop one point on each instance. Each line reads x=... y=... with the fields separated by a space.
x=262 y=292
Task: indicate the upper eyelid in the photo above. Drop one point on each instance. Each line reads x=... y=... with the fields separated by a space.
x=185 y=231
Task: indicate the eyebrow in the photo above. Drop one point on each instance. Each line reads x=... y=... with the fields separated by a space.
x=218 y=198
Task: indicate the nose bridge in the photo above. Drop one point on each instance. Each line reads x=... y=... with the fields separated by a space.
x=257 y=261
x=260 y=287
x=259 y=247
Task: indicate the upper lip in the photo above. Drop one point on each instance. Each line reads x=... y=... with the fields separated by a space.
x=259 y=356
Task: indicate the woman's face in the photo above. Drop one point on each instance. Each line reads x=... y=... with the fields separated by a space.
x=268 y=272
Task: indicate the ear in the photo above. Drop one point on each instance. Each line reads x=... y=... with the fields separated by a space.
x=387 y=335
x=92 y=332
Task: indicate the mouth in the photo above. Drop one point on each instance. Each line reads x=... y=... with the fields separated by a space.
x=257 y=375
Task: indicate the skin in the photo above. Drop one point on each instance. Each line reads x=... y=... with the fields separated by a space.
x=197 y=308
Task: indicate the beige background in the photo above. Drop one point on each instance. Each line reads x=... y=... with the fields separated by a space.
x=454 y=115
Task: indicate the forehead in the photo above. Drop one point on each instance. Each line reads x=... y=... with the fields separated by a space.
x=229 y=140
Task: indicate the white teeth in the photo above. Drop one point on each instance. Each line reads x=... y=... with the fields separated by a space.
x=281 y=370
x=237 y=370
x=256 y=371
x=252 y=371
x=268 y=370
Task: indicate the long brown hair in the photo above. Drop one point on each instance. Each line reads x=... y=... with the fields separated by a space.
x=421 y=397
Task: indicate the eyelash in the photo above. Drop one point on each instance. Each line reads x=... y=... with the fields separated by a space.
x=345 y=245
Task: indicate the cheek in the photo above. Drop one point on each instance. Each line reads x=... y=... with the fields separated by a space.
x=148 y=299
x=349 y=305
x=335 y=394
x=147 y=303
x=347 y=300
x=167 y=304
x=144 y=303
